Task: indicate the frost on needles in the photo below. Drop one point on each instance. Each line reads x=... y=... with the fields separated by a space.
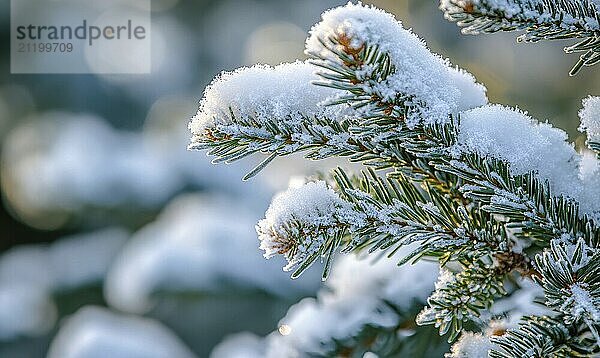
x=539 y=19
x=301 y=220
x=500 y=200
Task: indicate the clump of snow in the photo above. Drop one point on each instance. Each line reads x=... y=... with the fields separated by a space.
x=263 y=92
x=588 y=173
x=437 y=89
x=70 y=262
x=348 y=304
x=582 y=303
x=527 y=145
x=588 y=166
x=590 y=118
x=31 y=274
x=512 y=135
x=472 y=94
x=197 y=244
x=63 y=162
x=241 y=345
x=382 y=278
x=25 y=310
x=299 y=221
x=66 y=159
x=94 y=332
x=84 y=259
x=313 y=201
x=471 y=345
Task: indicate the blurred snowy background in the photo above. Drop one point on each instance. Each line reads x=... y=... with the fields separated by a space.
x=115 y=239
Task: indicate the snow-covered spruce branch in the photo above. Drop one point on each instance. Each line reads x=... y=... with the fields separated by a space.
x=542 y=337
x=370 y=213
x=385 y=100
x=569 y=273
x=463 y=146
x=271 y=125
x=457 y=300
x=540 y=19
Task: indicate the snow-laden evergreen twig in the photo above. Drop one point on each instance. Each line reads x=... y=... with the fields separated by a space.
x=540 y=19
x=489 y=192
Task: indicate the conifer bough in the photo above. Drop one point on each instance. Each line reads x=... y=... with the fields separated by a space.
x=539 y=19
x=502 y=202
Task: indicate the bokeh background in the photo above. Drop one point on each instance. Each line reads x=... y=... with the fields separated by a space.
x=104 y=209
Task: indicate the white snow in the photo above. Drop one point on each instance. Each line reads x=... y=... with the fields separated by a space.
x=512 y=135
x=520 y=303
x=590 y=118
x=70 y=262
x=582 y=303
x=471 y=345
x=438 y=89
x=528 y=145
x=240 y=345
x=94 y=332
x=311 y=202
x=65 y=162
x=25 y=310
x=31 y=274
x=472 y=94
x=66 y=159
x=588 y=166
x=197 y=244
x=354 y=297
x=382 y=278
x=263 y=92
x=299 y=221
